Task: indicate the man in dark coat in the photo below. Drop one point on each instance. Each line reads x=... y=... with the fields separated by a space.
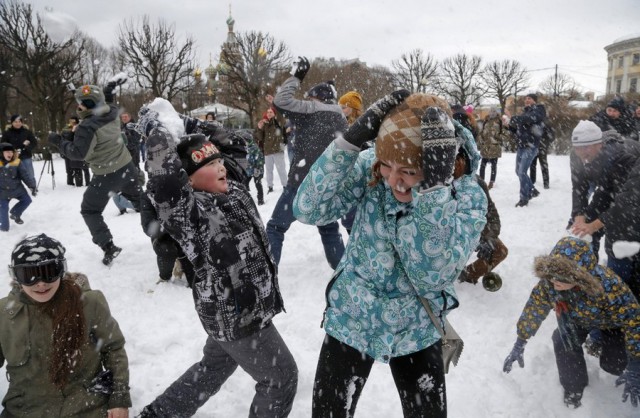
x=617 y=117
x=317 y=122
x=23 y=141
x=612 y=164
x=527 y=128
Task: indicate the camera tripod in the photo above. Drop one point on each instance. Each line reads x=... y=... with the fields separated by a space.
x=48 y=164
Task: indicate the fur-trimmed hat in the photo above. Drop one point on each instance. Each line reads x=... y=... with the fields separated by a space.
x=325 y=92
x=195 y=151
x=565 y=270
x=351 y=99
x=90 y=96
x=400 y=137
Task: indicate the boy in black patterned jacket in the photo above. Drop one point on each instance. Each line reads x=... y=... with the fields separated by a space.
x=235 y=289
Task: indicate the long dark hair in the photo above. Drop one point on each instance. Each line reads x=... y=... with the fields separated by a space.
x=69 y=329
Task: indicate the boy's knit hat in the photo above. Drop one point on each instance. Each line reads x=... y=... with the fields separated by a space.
x=325 y=92
x=586 y=133
x=195 y=151
x=5 y=146
x=90 y=96
x=400 y=136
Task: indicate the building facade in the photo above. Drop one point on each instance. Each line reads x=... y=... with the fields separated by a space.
x=623 y=75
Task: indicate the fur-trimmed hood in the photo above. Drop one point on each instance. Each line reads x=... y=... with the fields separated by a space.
x=571 y=261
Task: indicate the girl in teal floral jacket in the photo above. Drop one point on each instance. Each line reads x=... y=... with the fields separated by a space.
x=412 y=235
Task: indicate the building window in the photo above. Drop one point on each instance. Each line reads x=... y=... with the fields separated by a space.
x=618 y=86
x=636 y=59
x=620 y=61
x=633 y=85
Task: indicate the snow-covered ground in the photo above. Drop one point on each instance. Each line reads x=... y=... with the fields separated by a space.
x=164 y=335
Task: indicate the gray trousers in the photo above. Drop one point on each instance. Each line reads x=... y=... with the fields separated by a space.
x=266 y=358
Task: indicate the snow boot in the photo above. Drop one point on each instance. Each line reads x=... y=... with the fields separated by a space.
x=110 y=252
x=522 y=203
x=492 y=282
x=572 y=399
x=535 y=193
x=269 y=190
x=16 y=219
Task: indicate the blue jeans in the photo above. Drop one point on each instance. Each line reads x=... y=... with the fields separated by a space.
x=121 y=202
x=24 y=200
x=524 y=157
x=281 y=221
x=28 y=162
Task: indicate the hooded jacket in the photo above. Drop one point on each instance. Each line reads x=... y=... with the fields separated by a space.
x=12 y=174
x=25 y=346
x=613 y=307
x=397 y=252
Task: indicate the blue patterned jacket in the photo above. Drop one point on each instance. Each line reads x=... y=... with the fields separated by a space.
x=396 y=251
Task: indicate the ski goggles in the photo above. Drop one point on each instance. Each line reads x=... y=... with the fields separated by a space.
x=47 y=271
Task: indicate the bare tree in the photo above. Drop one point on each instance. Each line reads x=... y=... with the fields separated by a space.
x=160 y=61
x=95 y=62
x=558 y=85
x=459 y=79
x=248 y=69
x=414 y=71
x=41 y=66
x=504 y=78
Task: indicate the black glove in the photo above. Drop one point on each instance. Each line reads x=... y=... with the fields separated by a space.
x=516 y=354
x=34 y=192
x=630 y=378
x=300 y=68
x=366 y=127
x=54 y=139
x=439 y=148
x=485 y=250
x=108 y=91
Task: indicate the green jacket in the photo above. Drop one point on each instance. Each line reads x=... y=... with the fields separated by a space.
x=25 y=344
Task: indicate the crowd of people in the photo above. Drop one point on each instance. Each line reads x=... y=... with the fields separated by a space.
x=405 y=175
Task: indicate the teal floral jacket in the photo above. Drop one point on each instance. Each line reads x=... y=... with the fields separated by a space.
x=396 y=251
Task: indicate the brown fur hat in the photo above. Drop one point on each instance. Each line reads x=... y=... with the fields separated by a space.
x=563 y=269
x=399 y=137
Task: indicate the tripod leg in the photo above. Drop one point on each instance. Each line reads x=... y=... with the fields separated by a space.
x=41 y=172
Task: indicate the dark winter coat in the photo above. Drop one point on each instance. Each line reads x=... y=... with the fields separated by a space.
x=491 y=137
x=133 y=141
x=615 y=172
x=615 y=308
x=69 y=135
x=528 y=126
x=12 y=174
x=99 y=142
x=317 y=124
x=16 y=137
x=236 y=289
x=25 y=345
x=624 y=125
x=270 y=138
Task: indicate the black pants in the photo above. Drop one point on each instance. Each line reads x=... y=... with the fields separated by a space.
x=572 y=367
x=343 y=371
x=97 y=196
x=494 y=168
x=544 y=166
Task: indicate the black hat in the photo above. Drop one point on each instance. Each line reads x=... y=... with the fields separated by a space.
x=533 y=96
x=15 y=117
x=5 y=146
x=617 y=103
x=36 y=249
x=325 y=92
x=195 y=151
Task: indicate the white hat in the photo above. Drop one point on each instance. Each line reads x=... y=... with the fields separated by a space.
x=586 y=133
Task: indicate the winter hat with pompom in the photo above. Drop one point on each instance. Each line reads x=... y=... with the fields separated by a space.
x=586 y=133
x=400 y=137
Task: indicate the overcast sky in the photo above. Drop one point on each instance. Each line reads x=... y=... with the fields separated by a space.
x=539 y=34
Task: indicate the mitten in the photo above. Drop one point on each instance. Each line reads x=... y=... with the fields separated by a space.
x=439 y=148
x=366 y=127
x=54 y=139
x=161 y=155
x=34 y=192
x=300 y=68
x=147 y=120
x=516 y=354
x=108 y=91
x=630 y=378
x=485 y=250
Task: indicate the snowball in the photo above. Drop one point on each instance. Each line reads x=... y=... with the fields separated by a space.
x=622 y=249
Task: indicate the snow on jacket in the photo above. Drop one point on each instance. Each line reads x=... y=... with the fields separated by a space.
x=317 y=124
x=16 y=137
x=236 y=289
x=491 y=137
x=624 y=124
x=528 y=127
x=615 y=172
x=396 y=252
x=12 y=174
x=25 y=345
x=615 y=308
x=98 y=141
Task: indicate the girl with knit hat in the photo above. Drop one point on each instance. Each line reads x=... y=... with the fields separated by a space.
x=411 y=237
x=351 y=105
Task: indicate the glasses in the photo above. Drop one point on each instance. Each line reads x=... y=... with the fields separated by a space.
x=47 y=271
